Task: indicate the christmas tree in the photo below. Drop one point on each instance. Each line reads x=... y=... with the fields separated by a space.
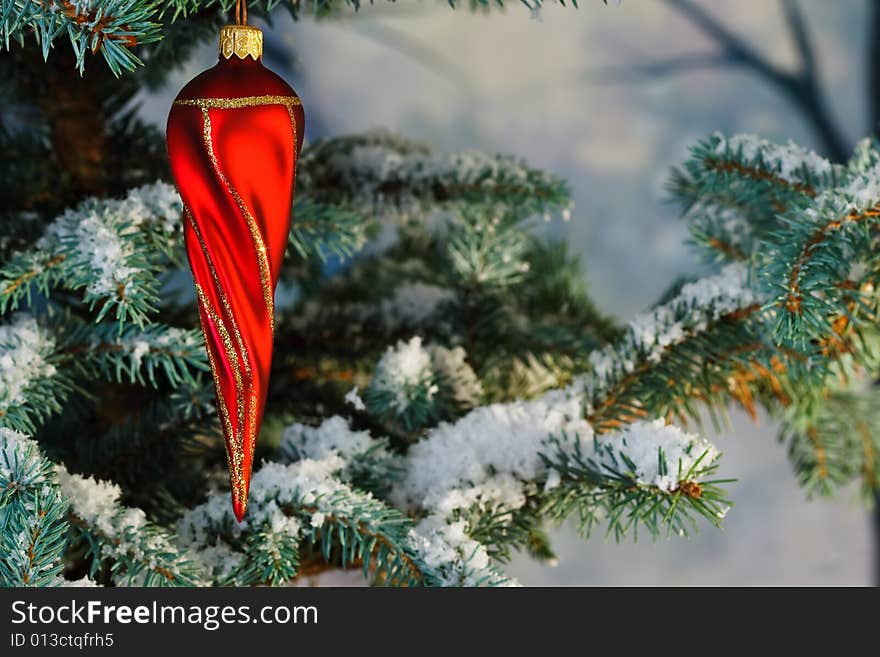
x=443 y=388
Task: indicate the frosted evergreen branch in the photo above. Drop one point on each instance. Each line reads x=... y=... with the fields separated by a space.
x=502 y=463
x=415 y=386
x=31 y=387
x=136 y=355
x=102 y=248
x=733 y=188
x=379 y=171
x=649 y=475
x=404 y=387
x=488 y=249
x=668 y=358
x=725 y=233
x=308 y=502
x=369 y=465
x=372 y=300
x=822 y=263
x=787 y=167
x=25 y=272
x=450 y=557
x=139 y=552
x=32 y=527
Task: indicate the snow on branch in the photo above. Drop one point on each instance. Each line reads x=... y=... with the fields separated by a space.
x=369 y=465
x=140 y=552
x=795 y=165
x=30 y=386
x=499 y=459
x=499 y=439
x=824 y=264
x=641 y=373
x=381 y=171
x=733 y=188
x=137 y=355
x=414 y=386
x=648 y=474
x=102 y=248
x=305 y=500
x=447 y=554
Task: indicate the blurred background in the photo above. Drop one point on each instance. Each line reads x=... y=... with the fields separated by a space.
x=610 y=97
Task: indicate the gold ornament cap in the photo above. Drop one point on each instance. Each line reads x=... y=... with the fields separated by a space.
x=241 y=41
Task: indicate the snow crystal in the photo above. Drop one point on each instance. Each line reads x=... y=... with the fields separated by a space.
x=643 y=443
x=402 y=369
x=332 y=438
x=500 y=439
x=453 y=558
x=353 y=397
x=24 y=347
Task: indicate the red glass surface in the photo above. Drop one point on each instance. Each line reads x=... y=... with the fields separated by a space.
x=235 y=169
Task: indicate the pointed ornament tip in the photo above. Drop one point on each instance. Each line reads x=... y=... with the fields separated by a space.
x=239 y=504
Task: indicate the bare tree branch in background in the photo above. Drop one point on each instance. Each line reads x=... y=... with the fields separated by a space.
x=802 y=86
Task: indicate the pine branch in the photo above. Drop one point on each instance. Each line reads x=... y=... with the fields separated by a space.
x=32 y=527
x=611 y=486
x=138 y=552
x=733 y=189
x=833 y=436
x=379 y=171
x=109 y=26
x=319 y=230
x=102 y=248
x=115 y=27
x=134 y=355
x=822 y=263
x=681 y=353
x=306 y=501
x=496 y=471
x=31 y=386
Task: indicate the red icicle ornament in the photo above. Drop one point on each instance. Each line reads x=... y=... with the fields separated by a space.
x=234 y=135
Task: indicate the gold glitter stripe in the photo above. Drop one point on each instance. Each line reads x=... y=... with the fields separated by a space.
x=252 y=397
x=236 y=463
x=259 y=244
x=293 y=125
x=238 y=103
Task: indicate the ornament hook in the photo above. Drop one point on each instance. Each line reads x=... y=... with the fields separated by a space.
x=241 y=12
